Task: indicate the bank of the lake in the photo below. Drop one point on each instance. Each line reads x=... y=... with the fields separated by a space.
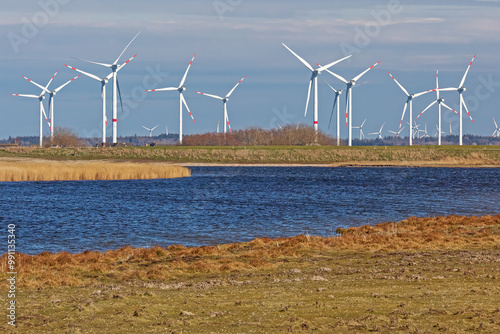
x=425 y=156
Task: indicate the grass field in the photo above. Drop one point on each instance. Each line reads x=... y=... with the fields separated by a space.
x=416 y=276
x=328 y=155
x=29 y=169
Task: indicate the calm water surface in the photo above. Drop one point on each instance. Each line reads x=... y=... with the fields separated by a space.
x=228 y=204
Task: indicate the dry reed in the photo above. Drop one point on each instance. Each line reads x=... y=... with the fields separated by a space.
x=41 y=170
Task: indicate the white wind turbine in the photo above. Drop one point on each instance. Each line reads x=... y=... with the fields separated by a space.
x=438 y=132
x=460 y=89
x=396 y=133
x=103 y=82
x=379 y=133
x=496 y=133
x=51 y=105
x=313 y=81
x=40 y=99
x=150 y=130
x=439 y=101
x=409 y=101
x=115 y=67
x=182 y=100
x=350 y=84
x=361 y=134
x=224 y=101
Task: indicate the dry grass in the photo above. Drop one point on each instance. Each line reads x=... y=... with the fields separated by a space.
x=129 y=264
x=43 y=170
x=415 y=276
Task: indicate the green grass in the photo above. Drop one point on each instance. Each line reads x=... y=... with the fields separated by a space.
x=439 y=155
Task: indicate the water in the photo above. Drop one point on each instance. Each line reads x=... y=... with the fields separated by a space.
x=229 y=204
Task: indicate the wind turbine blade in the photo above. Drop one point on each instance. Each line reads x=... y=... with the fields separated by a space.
x=62 y=86
x=364 y=72
x=308 y=94
x=382 y=127
x=437 y=83
x=333 y=109
x=232 y=90
x=299 y=58
x=328 y=84
x=447 y=107
x=467 y=71
x=466 y=109
x=229 y=125
x=402 y=116
x=146 y=128
x=38 y=85
x=93 y=62
x=155 y=127
x=119 y=93
x=26 y=95
x=48 y=84
x=400 y=86
x=423 y=93
x=322 y=68
x=162 y=89
x=210 y=95
x=95 y=77
x=363 y=123
x=117 y=59
x=184 y=102
x=45 y=115
x=430 y=105
x=125 y=63
x=337 y=76
x=187 y=70
x=496 y=126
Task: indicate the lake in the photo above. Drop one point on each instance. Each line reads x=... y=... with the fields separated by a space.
x=230 y=204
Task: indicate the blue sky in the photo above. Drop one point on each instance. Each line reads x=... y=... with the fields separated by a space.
x=234 y=38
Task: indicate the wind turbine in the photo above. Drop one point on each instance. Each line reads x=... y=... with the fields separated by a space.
x=224 y=101
x=51 y=105
x=396 y=133
x=409 y=101
x=497 y=129
x=182 y=100
x=350 y=84
x=438 y=132
x=40 y=99
x=451 y=131
x=379 y=133
x=103 y=82
x=460 y=89
x=361 y=134
x=116 y=86
x=150 y=130
x=439 y=101
x=314 y=80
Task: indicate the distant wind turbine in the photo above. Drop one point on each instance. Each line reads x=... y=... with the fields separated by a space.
x=379 y=133
x=224 y=101
x=182 y=100
x=150 y=130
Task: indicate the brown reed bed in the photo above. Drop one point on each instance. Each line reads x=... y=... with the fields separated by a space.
x=47 y=170
x=157 y=263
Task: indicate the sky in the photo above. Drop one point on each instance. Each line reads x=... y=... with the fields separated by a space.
x=234 y=38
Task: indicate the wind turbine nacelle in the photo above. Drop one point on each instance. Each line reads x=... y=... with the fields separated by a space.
x=182 y=88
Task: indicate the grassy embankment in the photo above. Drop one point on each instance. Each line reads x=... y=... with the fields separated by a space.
x=415 y=276
x=49 y=170
x=331 y=155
